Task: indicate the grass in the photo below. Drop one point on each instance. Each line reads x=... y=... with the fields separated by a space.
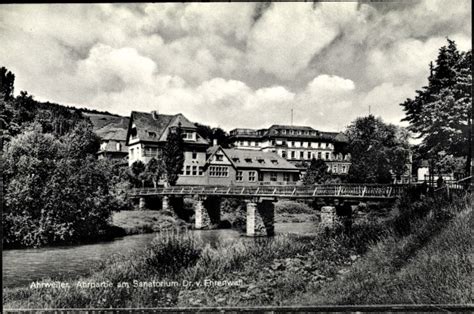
x=145 y=221
x=428 y=264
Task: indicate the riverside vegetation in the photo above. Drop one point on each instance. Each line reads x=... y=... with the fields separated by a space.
x=397 y=259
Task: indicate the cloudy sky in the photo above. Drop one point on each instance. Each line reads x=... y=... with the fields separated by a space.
x=232 y=64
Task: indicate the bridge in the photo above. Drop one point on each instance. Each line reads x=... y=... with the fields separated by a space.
x=328 y=191
x=259 y=199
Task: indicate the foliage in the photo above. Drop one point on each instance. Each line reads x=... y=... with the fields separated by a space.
x=441 y=113
x=378 y=150
x=212 y=134
x=317 y=172
x=173 y=155
x=7 y=80
x=61 y=191
x=155 y=168
x=292 y=207
x=135 y=173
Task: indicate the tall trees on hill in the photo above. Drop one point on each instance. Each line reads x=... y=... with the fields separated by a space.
x=441 y=112
x=378 y=151
x=7 y=81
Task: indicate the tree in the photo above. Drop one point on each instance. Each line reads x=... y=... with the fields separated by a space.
x=173 y=155
x=378 y=150
x=52 y=195
x=82 y=141
x=212 y=134
x=7 y=80
x=135 y=173
x=316 y=173
x=441 y=113
x=155 y=169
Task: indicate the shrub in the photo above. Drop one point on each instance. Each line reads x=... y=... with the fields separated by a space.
x=292 y=207
x=172 y=251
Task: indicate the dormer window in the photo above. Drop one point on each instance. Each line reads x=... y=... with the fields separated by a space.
x=262 y=161
x=248 y=160
x=235 y=159
x=152 y=134
x=274 y=161
x=188 y=135
x=219 y=157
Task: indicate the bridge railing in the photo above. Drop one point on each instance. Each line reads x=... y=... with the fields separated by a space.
x=335 y=190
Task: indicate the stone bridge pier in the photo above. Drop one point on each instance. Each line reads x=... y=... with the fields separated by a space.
x=207 y=212
x=260 y=217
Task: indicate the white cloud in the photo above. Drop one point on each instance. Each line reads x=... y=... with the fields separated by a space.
x=218 y=64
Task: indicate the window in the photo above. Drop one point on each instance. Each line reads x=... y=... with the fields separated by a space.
x=235 y=159
x=309 y=155
x=343 y=169
x=301 y=155
x=292 y=155
x=261 y=161
x=188 y=135
x=327 y=156
x=274 y=161
x=239 y=176
x=260 y=176
x=219 y=157
x=133 y=133
x=252 y=176
x=286 y=177
x=194 y=156
x=319 y=155
x=194 y=170
x=118 y=146
x=132 y=153
x=200 y=170
x=218 y=171
x=319 y=144
x=248 y=160
x=293 y=144
x=273 y=176
x=152 y=134
x=246 y=143
x=283 y=154
x=188 y=170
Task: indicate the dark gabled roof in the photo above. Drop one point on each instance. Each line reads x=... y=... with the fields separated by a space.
x=155 y=128
x=253 y=159
x=147 y=125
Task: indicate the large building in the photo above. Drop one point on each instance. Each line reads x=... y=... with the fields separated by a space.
x=297 y=144
x=147 y=134
x=204 y=164
x=229 y=166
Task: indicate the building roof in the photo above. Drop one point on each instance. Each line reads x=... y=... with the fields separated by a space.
x=155 y=127
x=307 y=132
x=254 y=159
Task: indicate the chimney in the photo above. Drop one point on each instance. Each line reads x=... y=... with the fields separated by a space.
x=214 y=142
x=154 y=114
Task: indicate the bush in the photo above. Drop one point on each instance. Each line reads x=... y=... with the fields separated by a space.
x=171 y=252
x=292 y=207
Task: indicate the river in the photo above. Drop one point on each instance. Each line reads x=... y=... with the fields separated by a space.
x=23 y=266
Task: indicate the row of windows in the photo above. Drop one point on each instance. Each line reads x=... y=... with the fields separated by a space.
x=252 y=176
x=192 y=170
x=218 y=171
x=289 y=144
